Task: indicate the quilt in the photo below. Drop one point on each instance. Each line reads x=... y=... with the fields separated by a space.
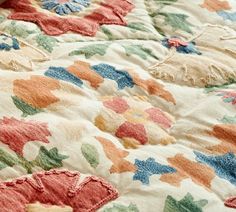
x=118 y=105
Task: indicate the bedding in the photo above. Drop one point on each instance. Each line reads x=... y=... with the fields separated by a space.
x=118 y=105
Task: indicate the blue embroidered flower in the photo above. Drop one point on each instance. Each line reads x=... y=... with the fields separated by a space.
x=64 y=7
x=62 y=74
x=122 y=78
x=181 y=46
x=7 y=43
x=227 y=15
x=147 y=168
x=224 y=165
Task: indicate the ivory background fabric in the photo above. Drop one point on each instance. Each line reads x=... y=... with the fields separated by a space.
x=149 y=106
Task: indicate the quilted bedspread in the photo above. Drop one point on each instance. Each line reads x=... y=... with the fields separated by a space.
x=118 y=105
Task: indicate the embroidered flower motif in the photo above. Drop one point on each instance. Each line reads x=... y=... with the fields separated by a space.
x=146 y=169
x=181 y=46
x=52 y=23
x=134 y=122
x=57 y=187
x=7 y=43
x=228 y=96
x=64 y=7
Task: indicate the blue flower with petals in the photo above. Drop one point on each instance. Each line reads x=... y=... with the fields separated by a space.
x=7 y=43
x=224 y=165
x=62 y=74
x=65 y=7
x=147 y=168
x=122 y=78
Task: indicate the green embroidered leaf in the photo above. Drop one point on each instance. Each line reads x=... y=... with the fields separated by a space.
x=24 y=107
x=177 y=21
x=91 y=154
x=137 y=26
x=2 y=18
x=107 y=32
x=165 y=2
x=159 y=30
x=7 y=160
x=122 y=208
x=47 y=42
x=139 y=50
x=228 y=120
x=18 y=30
x=91 y=50
x=49 y=159
x=27 y=165
x=186 y=204
x=211 y=88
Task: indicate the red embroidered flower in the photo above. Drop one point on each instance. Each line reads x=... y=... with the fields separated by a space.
x=56 y=187
x=108 y=12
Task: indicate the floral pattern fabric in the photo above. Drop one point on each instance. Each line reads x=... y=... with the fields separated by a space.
x=118 y=105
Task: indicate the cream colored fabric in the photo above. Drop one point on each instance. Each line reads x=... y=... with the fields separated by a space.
x=178 y=106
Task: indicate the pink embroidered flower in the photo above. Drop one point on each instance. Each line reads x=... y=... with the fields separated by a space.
x=49 y=16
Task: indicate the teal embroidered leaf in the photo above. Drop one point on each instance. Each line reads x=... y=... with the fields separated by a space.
x=228 y=120
x=139 y=50
x=177 y=21
x=91 y=154
x=49 y=159
x=122 y=208
x=24 y=107
x=46 y=42
x=107 y=32
x=91 y=50
x=186 y=204
x=138 y=26
x=18 y=30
